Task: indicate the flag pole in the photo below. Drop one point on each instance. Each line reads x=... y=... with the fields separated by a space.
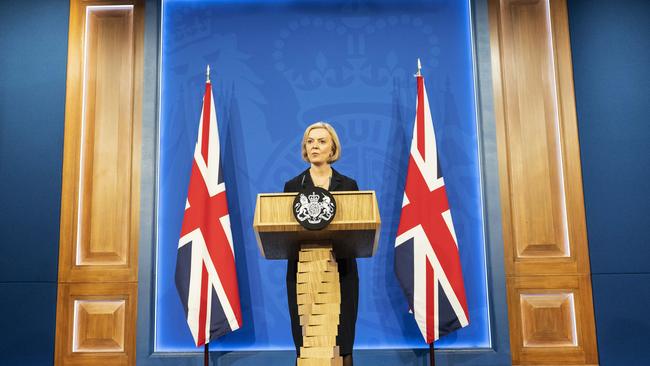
x=432 y=358
x=206 y=347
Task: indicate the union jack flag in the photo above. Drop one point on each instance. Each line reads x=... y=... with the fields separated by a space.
x=427 y=263
x=206 y=278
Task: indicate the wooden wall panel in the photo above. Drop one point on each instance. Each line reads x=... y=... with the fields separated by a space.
x=538 y=214
x=95 y=324
x=107 y=137
x=98 y=325
x=551 y=320
x=100 y=202
x=101 y=168
x=550 y=305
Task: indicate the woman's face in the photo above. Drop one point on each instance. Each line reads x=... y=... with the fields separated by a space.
x=318 y=146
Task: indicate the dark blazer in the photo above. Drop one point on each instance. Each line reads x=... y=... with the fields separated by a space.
x=339 y=182
x=348 y=274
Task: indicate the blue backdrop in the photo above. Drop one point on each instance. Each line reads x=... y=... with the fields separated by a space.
x=34 y=44
x=610 y=46
x=279 y=67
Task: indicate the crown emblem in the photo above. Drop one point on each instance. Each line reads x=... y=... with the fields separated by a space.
x=313 y=198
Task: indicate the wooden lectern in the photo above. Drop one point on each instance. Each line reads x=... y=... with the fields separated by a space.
x=354 y=232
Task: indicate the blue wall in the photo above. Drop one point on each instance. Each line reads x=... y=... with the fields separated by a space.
x=610 y=42
x=278 y=68
x=498 y=354
x=33 y=44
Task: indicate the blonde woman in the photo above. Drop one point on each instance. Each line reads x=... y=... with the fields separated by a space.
x=320 y=148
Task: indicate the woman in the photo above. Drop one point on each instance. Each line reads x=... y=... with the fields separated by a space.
x=321 y=148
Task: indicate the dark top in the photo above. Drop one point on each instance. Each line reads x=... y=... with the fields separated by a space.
x=339 y=182
x=348 y=275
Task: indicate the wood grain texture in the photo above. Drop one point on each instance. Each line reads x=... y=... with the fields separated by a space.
x=537 y=216
x=319 y=352
x=336 y=361
x=99 y=332
x=98 y=325
x=548 y=342
x=100 y=197
x=106 y=139
x=101 y=164
x=517 y=175
x=354 y=231
x=550 y=306
x=354 y=211
x=318 y=321
x=548 y=319
x=318 y=341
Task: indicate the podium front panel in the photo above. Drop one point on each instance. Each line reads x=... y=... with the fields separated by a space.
x=354 y=232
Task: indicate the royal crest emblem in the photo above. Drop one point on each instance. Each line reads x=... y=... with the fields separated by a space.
x=314 y=208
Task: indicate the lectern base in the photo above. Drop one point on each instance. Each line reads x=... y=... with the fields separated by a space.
x=318 y=294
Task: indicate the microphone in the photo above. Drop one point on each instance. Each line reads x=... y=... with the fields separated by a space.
x=302 y=184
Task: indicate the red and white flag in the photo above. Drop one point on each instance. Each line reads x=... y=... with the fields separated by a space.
x=427 y=263
x=206 y=278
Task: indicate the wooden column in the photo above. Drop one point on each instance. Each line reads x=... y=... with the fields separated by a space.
x=318 y=293
x=548 y=280
x=100 y=199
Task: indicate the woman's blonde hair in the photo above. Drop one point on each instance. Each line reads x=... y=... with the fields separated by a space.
x=336 y=144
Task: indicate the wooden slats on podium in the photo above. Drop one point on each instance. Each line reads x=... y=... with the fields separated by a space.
x=319 y=305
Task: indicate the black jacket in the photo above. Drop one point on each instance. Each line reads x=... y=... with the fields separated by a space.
x=339 y=182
